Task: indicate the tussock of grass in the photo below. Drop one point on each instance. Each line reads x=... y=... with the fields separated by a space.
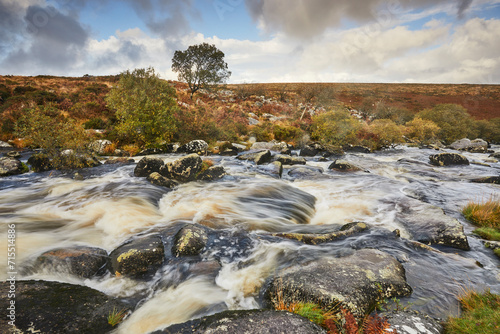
x=115 y=316
x=480 y=314
x=488 y=233
x=484 y=214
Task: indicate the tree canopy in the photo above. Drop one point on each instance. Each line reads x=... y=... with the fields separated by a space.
x=200 y=65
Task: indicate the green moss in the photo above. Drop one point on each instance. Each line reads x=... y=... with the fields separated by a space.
x=488 y=233
x=480 y=314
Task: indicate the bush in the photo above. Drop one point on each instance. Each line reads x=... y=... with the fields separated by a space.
x=145 y=107
x=454 y=121
x=386 y=132
x=489 y=130
x=287 y=133
x=422 y=130
x=95 y=123
x=336 y=128
x=399 y=116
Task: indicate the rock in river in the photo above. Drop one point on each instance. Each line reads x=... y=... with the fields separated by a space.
x=260 y=158
x=147 y=166
x=448 y=159
x=355 y=282
x=194 y=146
x=184 y=169
x=11 y=166
x=189 y=241
x=159 y=180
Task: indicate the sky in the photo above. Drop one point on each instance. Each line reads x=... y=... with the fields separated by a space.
x=421 y=41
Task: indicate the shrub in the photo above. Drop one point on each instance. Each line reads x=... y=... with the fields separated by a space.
x=287 y=133
x=397 y=115
x=489 y=130
x=145 y=107
x=454 y=121
x=95 y=123
x=336 y=128
x=422 y=130
x=263 y=131
x=387 y=133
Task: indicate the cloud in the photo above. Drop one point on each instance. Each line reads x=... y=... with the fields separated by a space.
x=305 y=19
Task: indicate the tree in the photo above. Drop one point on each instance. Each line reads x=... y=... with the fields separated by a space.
x=200 y=65
x=145 y=107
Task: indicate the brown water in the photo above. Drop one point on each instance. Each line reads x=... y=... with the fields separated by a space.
x=52 y=210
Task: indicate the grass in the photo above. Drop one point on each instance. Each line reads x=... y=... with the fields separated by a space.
x=488 y=233
x=115 y=316
x=483 y=214
x=480 y=314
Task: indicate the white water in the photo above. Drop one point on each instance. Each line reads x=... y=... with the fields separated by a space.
x=52 y=210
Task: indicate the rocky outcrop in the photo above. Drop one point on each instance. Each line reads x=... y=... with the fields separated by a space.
x=476 y=145
x=11 y=166
x=253 y=321
x=355 y=282
x=407 y=322
x=289 y=160
x=343 y=166
x=80 y=261
x=190 y=241
x=53 y=308
x=260 y=158
x=138 y=257
x=315 y=239
x=184 y=169
x=148 y=165
x=430 y=225
x=199 y=147
x=158 y=180
x=448 y=159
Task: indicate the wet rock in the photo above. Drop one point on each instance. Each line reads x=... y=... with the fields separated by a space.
x=260 y=158
x=195 y=146
x=251 y=322
x=336 y=151
x=488 y=179
x=355 y=282
x=13 y=154
x=356 y=149
x=305 y=172
x=170 y=148
x=495 y=155
x=273 y=145
x=138 y=257
x=150 y=151
x=289 y=160
x=184 y=169
x=121 y=160
x=120 y=153
x=274 y=169
x=5 y=145
x=212 y=173
x=343 y=166
x=80 y=261
x=476 y=145
x=53 y=307
x=308 y=151
x=412 y=323
x=190 y=241
x=147 y=166
x=40 y=162
x=315 y=239
x=448 y=159
x=100 y=146
x=158 y=180
x=11 y=166
x=430 y=225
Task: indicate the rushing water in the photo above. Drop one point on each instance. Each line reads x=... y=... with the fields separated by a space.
x=53 y=210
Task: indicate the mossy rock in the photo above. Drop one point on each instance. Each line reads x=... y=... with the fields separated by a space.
x=183 y=170
x=289 y=160
x=212 y=174
x=159 y=180
x=190 y=241
x=448 y=159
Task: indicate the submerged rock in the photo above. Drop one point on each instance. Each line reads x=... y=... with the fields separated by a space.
x=189 y=241
x=139 y=257
x=184 y=169
x=53 y=307
x=11 y=166
x=315 y=239
x=148 y=165
x=305 y=172
x=356 y=282
x=253 y=321
x=80 y=261
x=448 y=159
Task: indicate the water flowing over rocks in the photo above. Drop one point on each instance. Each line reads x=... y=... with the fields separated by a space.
x=305 y=172
x=355 y=282
x=54 y=308
x=343 y=166
x=274 y=169
x=412 y=323
x=475 y=146
x=80 y=261
x=448 y=159
x=10 y=166
x=315 y=239
x=488 y=179
x=253 y=321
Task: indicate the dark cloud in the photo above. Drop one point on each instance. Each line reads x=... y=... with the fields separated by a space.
x=305 y=19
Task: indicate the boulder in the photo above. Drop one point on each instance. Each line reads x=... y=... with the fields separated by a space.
x=343 y=166
x=476 y=145
x=274 y=169
x=448 y=159
x=5 y=145
x=80 y=261
x=13 y=154
x=356 y=282
x=100 y=146
x=53 y=307
x=410 y=322
x=40 y=162
x=139 y=257
x=184 y=169
x=212 y=173
x=158 y=180
x=11 y=166
x=253 y=321
x=260 y=158
x=273 y=145
x=488 y=179
x=289 y=160
x=308 y=151
x=430 y=225
x=190 y=241
x=147 y=166
x=195 y=146
x=120 y=160
x=150 y=151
